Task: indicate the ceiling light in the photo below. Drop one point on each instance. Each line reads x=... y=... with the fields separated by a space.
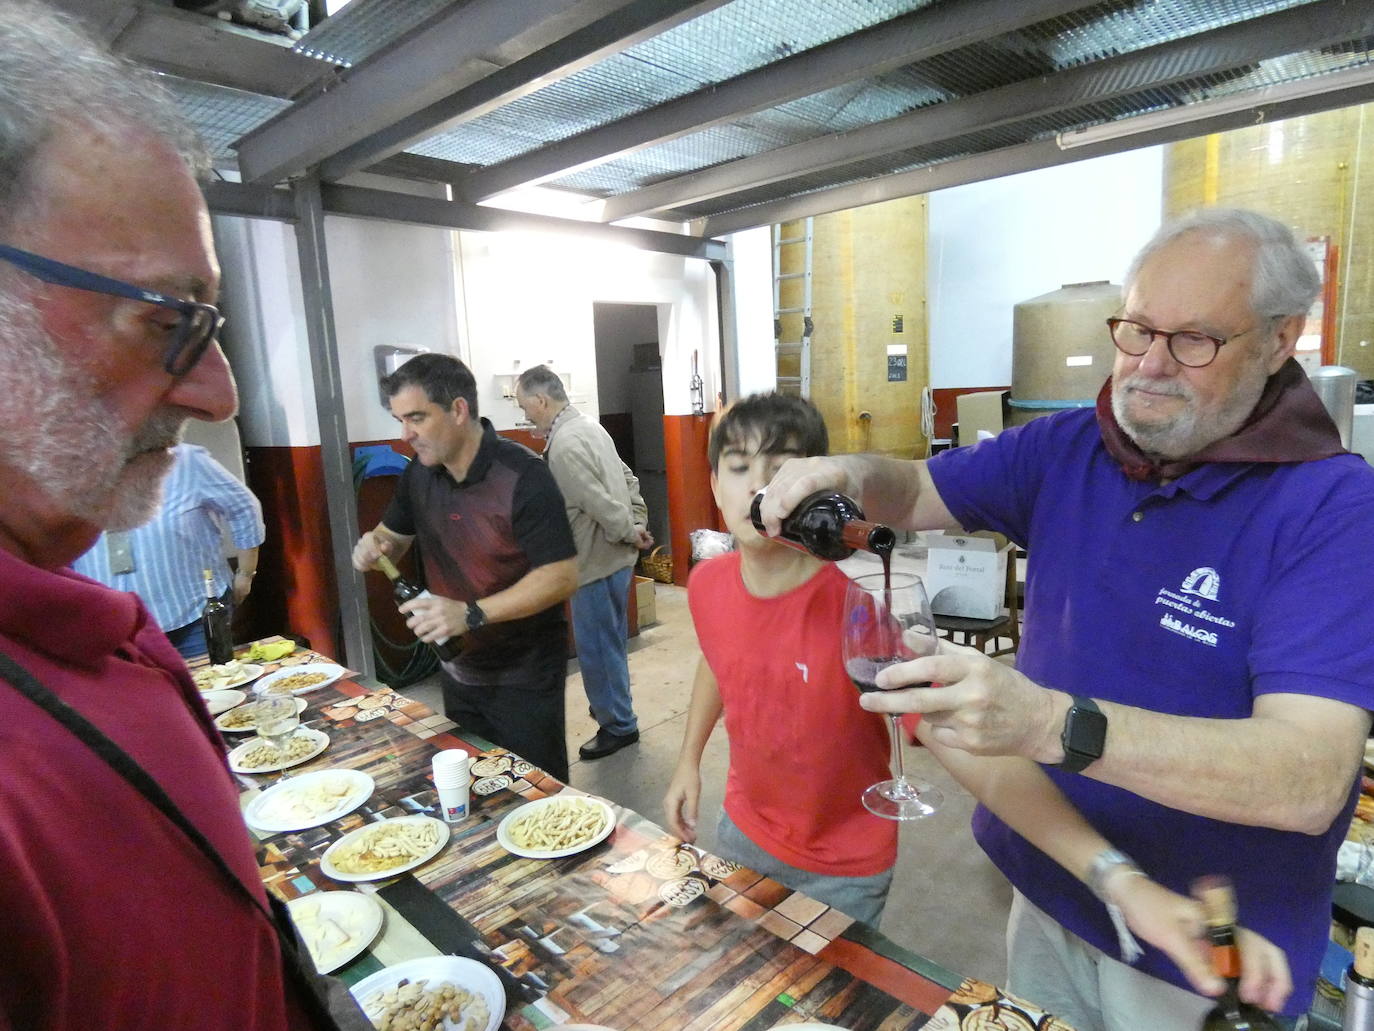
x=1250 y=100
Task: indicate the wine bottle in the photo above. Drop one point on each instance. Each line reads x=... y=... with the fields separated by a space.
x=1358 y=1014
x=1229 y=1014
x=829 y=525
x=403 y=590
x=216 y=619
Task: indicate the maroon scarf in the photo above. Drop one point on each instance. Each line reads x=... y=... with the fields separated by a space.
x=1289 y=424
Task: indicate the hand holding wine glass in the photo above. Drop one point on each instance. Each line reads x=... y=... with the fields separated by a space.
x=888 y=620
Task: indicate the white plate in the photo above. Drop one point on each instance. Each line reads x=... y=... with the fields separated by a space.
x=323 y=915
x=271 y=810
x=248 y=671
x=464 y=973
x=321 y=743
x=327 y=860
x=503 y=828
x=333 y=673
x=223 y=717
x=221 y=701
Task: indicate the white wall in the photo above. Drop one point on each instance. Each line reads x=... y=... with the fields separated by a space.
x=499 y=301
x=997 y=243
x=753 y=261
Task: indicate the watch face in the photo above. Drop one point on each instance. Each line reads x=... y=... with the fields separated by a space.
x=1085 y=732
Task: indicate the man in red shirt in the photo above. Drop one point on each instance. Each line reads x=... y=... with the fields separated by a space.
x=114 y=916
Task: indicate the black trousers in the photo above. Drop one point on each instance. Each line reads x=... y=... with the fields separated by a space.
x=526 y=716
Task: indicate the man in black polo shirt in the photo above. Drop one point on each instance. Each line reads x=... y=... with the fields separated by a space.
x=498 y=557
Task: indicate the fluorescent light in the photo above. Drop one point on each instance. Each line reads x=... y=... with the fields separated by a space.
x=1185 y=113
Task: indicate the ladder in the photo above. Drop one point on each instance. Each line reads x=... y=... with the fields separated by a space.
x=792 y=325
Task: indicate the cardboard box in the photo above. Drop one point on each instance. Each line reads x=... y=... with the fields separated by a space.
x=980 y=411
x=644 y=601
x=965 y=576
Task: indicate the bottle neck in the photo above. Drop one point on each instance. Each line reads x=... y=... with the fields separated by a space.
x=874 y=537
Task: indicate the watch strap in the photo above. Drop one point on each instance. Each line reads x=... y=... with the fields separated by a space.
x=475 y=616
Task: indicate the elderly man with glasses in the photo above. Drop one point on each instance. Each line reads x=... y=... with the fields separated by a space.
x=130 y=887
x=1197 y=664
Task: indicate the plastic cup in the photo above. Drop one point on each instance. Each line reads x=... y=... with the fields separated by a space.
x=451 y=779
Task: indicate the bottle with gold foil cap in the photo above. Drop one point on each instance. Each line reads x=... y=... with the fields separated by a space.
x=1358 y=1014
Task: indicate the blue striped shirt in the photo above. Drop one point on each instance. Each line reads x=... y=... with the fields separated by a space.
x=201 y=499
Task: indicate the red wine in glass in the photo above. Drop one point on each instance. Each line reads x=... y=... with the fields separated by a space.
x=888 y=620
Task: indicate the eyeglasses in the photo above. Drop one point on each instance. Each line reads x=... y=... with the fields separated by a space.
x=1187 y=346
x=197 y=325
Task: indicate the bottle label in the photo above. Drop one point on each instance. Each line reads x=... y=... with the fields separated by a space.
x=442 y=640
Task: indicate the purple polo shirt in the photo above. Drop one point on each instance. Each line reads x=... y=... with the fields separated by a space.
x=1190 y=598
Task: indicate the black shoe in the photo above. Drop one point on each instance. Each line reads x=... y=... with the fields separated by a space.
x=605 y=743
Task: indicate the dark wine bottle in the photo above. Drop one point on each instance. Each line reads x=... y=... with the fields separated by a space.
x=1358 y=1014
x=829 y=525
x=403 y=590
x=1229 y=1014
x=217 y=621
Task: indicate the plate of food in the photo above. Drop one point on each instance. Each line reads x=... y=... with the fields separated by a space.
x=222 y=701
x=243 y=718
x=226 y=675
x=385 y=849
x=258 y=756
x=309 y=676
x=465 y=995
x=337 y=926
x=559 y=826
x=308 y=800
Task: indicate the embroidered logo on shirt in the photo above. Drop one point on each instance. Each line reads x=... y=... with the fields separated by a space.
x=1204 y=581
x=1191 y=615
x=805 y=672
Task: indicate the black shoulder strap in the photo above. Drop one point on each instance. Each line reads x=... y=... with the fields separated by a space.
x=296 y=965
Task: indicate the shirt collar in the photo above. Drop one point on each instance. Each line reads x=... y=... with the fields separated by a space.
x=567 y=412
x=63 y=614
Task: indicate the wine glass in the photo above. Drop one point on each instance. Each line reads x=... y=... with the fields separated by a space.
x=277 y=717
x=886 y=621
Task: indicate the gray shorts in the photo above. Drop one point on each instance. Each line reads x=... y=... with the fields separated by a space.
x=862 y=898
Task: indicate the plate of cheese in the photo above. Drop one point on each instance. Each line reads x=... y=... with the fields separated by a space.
x=337 y=926
x=308 y=800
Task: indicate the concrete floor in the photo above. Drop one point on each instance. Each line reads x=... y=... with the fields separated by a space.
x=948 y=902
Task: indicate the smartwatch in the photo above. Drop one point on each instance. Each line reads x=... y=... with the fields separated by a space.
x=476 y=617
x=1084 y=736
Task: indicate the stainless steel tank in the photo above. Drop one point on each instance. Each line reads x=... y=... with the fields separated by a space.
x=1061 y=351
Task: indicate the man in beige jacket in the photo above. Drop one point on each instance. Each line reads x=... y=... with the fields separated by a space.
x=608 y=520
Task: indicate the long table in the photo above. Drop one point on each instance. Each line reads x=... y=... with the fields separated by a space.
x=595 y=937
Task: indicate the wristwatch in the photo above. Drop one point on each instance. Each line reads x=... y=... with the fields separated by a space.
x=476 y=617
x=1084 y=736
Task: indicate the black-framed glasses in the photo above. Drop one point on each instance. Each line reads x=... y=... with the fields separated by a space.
x=197 y=324
x=1187 y=346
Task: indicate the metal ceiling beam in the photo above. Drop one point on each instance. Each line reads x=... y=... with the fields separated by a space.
x=893 y=44
x=1025 y=157
x=249 y=201
x=198 y=47
x=454 y=48
x=612 y=34
x=1306 y=28
x=360 y=202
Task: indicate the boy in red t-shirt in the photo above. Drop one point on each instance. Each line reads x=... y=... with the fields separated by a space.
x=768 y=618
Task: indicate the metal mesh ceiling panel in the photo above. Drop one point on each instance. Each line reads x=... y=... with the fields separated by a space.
x=1359 y=54
x=364 y=27
x=222 y=115
x=716 y=46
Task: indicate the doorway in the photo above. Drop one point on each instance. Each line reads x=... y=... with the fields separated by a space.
x=629 y=397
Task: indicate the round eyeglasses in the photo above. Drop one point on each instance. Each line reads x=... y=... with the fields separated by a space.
x=196 y=327
x=1186 y=346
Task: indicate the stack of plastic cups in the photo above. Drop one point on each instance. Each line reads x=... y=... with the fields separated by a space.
x=451 y=780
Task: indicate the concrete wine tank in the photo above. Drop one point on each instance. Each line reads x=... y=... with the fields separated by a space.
x=1061 y=351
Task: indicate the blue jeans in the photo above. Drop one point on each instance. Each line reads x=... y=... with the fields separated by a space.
x=600 y=625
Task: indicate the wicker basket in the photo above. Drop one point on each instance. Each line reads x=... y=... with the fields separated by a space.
x=658 y=565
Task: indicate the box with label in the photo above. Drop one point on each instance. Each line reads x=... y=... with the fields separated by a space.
x=965 y=576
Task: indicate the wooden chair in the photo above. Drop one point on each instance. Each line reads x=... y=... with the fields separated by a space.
x=979 y=633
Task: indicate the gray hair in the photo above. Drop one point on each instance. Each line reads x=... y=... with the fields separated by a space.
x=1285 y=279
x=55 y=77
x=540 y=379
